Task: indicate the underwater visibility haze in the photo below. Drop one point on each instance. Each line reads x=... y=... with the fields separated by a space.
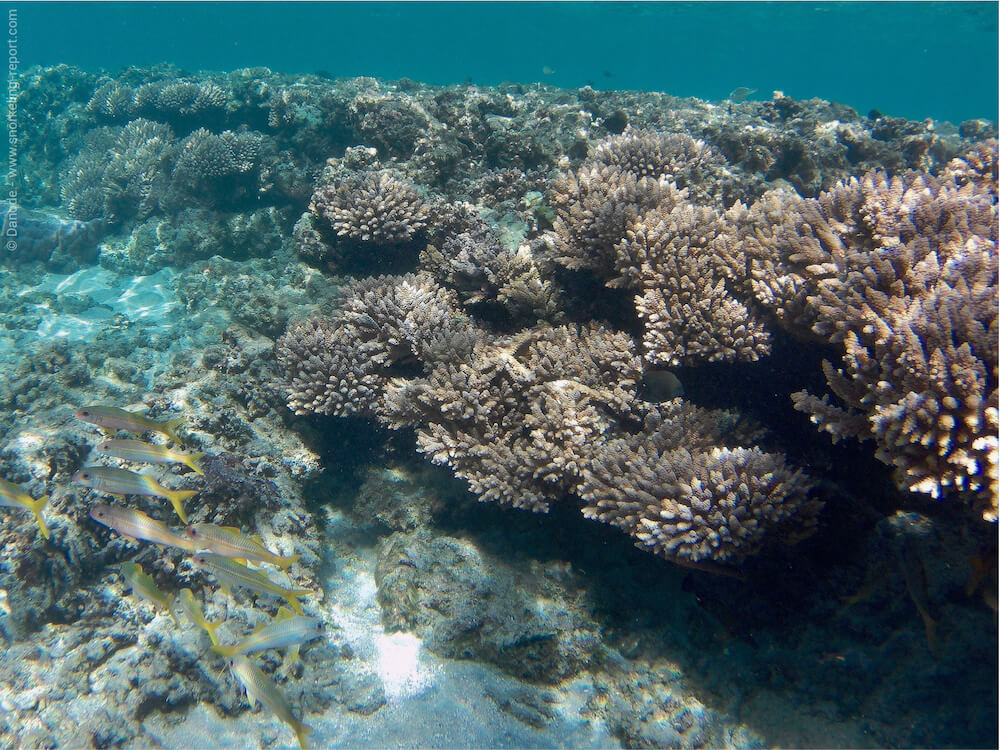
x=572 y=375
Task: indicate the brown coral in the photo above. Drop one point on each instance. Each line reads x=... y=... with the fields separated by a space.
x=686 y=499
x=372 y=207
x=902 y=273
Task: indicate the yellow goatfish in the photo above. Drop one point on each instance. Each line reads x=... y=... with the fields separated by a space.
x=231 y=573
x=120 y=482
x=150 y=453
x=111 y=419
x=283 y=631
x=12 y=496
x=144 y=587
x=189 y=606
x=261 y=689
x=135 y=524
x=229 y=541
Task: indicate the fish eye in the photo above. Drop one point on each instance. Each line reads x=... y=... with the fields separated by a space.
x=85 y=475
x=84 y=413
x=192 y=531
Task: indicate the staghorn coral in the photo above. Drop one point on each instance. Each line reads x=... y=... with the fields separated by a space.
x=216 y=168
x=902 y=273
x=519 y=417
x=181 y=101
x=340 y=365
x=593 y=207
x=372 y=208
x=685 y=498
x=679 y=257
x=120 y=173
x=677 y=157
x=483 y=270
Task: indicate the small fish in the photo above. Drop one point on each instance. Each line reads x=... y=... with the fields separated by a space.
x=111 y=419
x=144 y=587
x=233 y=543
x=121 y=482
x=261 y=689
x=12 y=496
x=150 y=453
x=546 y=70
x=661 y=385
x=740 y=93
x=283 y=631
x=231 y=573
x=189 y=606
x=135 y=524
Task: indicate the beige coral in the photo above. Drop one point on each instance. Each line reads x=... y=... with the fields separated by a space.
x=686 y=498
x=902 y=273
x=372 y=207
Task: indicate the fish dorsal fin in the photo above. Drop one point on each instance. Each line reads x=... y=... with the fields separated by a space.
x=232 y=530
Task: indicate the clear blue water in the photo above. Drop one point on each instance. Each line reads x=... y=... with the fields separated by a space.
x=905 y=59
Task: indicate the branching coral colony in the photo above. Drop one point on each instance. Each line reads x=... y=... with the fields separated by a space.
x=898 y=270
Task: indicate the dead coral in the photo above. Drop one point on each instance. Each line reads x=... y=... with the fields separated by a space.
x=686 y=499
x=902 y=273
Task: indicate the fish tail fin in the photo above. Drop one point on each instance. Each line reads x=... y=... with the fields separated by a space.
x=286 y=562
x=193 y=462
x=292 y=597
x=170 y=608
x=177 y=498
x=302 y=731
x=225 y=651
x=170 y=429
x=36 y=506
x=210 y=628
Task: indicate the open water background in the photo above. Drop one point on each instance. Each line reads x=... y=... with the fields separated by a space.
x=906 y=59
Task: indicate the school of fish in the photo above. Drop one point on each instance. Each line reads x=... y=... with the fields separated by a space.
x=223 y=552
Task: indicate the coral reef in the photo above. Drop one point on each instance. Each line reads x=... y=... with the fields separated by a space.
x=901 y=273
x=521 y=266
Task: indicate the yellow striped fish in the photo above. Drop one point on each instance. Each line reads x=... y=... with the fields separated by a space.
x=229 y=541
x=121 y=482
x=231 y=573
x=144 y=587
x=286 y=629
x=192 y=611
x=136 y=525
x=12 y=496
x=150 y=453
x=261 y=689
x=111 y=419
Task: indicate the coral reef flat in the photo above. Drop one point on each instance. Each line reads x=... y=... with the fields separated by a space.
x=577 y=418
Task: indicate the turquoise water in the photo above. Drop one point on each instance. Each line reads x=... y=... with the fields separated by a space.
x=913 y=60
